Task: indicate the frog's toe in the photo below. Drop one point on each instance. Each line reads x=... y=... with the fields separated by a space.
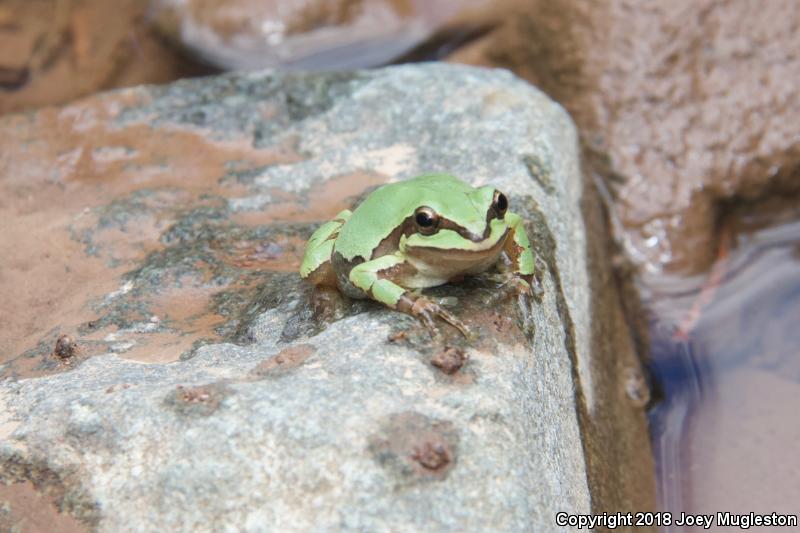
x=455 y=322
x=427 y=311
x=519 y=286
x=427 y=319
x=512 y=287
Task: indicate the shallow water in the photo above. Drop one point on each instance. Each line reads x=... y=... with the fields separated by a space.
x=312 y=35
x=726 y=356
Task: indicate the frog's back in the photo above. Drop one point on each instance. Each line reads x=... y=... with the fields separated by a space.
x=388 y=206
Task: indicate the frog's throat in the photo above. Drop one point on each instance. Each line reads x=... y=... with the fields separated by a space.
x=435 y=266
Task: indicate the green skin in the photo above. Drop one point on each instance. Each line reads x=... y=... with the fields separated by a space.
x=381 y=251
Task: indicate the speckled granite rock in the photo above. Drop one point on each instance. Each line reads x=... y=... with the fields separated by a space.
x=195 y=391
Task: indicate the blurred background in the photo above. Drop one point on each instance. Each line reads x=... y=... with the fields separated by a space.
x=690 y=127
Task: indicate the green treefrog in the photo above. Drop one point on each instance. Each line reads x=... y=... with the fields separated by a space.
x=419 y=233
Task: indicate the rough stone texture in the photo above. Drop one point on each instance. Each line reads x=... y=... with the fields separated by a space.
x=251 y=413
x=683 y=106
x=53 y=51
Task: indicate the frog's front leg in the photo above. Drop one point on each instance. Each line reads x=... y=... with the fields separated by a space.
x=379 y=279
x=518 y=267
x=316 y=265
x=518 y=263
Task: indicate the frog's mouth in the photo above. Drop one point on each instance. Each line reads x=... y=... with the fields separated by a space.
x=457 y=239
x=461 y=253
x=436 y=265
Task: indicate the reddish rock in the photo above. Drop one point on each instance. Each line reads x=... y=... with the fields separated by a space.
x=53 y=51
x=449 y=360
x=683 y=106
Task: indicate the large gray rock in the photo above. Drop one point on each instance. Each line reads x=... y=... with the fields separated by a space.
x=278 y=423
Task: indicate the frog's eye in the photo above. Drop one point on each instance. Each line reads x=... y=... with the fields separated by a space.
x=427 y=220
x=500 y=203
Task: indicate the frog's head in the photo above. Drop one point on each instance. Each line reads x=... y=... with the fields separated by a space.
x=459 y=231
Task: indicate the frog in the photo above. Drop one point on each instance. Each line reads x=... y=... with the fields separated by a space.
x=415 y=234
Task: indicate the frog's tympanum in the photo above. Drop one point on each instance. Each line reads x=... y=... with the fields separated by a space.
x=419 y=233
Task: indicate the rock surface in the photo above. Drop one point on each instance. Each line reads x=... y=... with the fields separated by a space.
x=683 y=106
x=52 y=51
x=164 y=371
x=303 y=34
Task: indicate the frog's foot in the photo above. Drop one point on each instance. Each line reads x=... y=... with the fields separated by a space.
x=517 y=286
x=523 y=289
x=427 y=311
x=328 y=304
x=514 y=286
x=379 y=278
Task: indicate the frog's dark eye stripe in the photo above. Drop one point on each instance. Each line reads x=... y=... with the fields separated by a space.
x=427 y=220
x=500 y=203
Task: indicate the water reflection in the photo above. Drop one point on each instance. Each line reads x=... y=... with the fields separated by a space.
x=53 y=51
x=311 y=34
x=725 y=432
